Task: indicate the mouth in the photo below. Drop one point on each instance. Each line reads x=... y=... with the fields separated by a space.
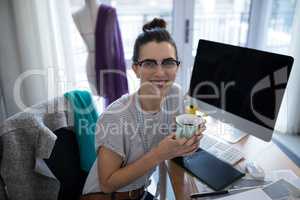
x=159 y=83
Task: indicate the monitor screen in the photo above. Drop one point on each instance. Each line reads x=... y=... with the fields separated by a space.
x=245 y=82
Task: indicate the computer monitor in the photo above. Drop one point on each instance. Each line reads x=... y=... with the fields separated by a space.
x=240 y=86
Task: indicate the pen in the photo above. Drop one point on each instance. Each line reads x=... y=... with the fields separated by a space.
x=208 y=194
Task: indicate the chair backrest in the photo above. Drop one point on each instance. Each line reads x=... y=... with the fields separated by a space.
x=64 y=163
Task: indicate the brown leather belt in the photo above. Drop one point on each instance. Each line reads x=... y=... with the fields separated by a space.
x=132 y=195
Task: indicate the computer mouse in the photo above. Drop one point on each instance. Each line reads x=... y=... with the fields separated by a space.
x=255 y=171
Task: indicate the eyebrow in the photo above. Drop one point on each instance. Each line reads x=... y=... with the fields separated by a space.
x=151 y=59
x=169 y=58
x=148 y=59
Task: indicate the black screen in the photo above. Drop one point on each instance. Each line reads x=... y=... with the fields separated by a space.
x=245 y=82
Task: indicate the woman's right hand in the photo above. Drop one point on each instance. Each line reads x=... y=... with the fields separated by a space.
x=171 y=147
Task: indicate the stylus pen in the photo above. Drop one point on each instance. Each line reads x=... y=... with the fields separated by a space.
x=207 y=194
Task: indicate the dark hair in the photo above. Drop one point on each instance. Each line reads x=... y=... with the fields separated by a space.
x=152 y=31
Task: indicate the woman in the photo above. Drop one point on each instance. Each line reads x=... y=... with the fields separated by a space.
x=134 y=133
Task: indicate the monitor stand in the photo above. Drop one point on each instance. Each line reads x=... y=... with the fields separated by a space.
x=231 y=134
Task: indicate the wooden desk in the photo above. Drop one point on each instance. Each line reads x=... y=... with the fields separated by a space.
x=266 y=154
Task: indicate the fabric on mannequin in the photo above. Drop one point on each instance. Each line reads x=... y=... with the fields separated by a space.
x=110 y=54
x=110 y=64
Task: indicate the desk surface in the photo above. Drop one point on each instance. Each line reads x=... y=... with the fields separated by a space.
x=266 y=154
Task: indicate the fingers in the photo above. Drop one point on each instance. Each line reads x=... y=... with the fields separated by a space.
x=188 y=146
x=172 y=135
x=190 y=153
x=200 y=130
x=194 y=139
x=198 y=139
x=191 y=150
x=182 y=141
x=191 y=141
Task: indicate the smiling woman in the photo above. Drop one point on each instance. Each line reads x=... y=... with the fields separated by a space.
x=155 y=45
x=142 y=135
x=156 y=78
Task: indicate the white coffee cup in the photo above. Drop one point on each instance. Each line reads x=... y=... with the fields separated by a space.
x=187 y=125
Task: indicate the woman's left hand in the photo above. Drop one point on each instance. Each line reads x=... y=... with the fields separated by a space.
x=196 y=138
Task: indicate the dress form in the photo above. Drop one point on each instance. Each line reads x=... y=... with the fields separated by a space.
x=85 y=21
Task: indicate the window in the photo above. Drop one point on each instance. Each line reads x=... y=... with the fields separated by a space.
x=280 y=26
x=132 y=14
x=226 y=21
x=222 y=21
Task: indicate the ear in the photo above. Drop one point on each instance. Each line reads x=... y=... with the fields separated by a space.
x=137 y=70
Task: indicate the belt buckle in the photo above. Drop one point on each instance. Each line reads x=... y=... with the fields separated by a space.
x=131 y=194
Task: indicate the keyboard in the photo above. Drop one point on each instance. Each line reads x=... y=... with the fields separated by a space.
x=221 y=150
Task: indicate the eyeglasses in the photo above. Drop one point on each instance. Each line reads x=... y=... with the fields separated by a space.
x=168 y=63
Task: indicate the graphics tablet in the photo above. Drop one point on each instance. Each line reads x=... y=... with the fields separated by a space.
x=209 y=169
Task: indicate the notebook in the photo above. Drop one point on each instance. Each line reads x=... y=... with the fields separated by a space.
x=209 y=169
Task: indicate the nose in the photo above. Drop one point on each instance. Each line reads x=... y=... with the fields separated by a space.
x=159 y=70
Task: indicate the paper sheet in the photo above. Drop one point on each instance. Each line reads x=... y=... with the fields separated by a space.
x=249 y=195
x=282 y=190
x=276 y=175
x=271 y=177
x=247 y=181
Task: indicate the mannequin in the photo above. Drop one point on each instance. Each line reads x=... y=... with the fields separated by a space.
x=85 y=20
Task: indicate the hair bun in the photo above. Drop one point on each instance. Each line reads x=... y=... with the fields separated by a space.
x=155 y=23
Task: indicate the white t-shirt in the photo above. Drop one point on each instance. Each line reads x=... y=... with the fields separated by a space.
x=117 y=129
